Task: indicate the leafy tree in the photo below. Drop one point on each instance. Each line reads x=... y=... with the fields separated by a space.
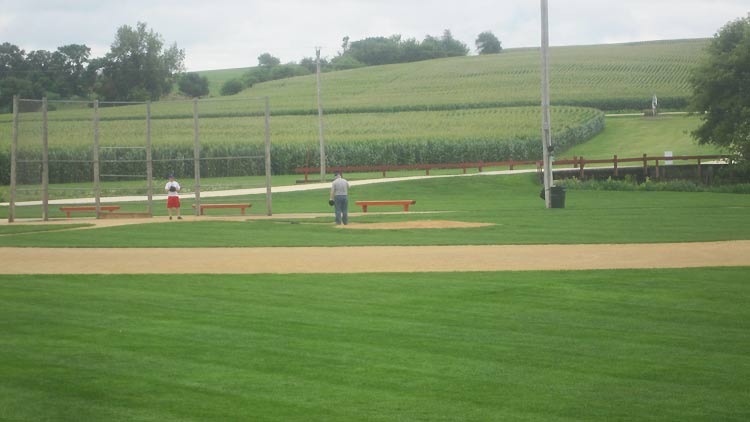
x=193 y=85
x=267 y=60
x=232 y=86
x=381 y=50
x=11 y=86
x=375 y=51
x=487 y=43
x=309 y=64
x=59 y=74
x=451 y=46
x=75 y=58
x=138 y=67
x=721 y=90
x=344 y=45
x=288 y=70
x=345 y=62
x=41 y=73
x=12 y=61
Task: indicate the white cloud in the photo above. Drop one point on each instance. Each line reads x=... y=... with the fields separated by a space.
x=228 y=34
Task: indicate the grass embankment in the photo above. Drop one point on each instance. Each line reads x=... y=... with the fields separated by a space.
x=633 y=136
x=512 y=203
x=642 y=345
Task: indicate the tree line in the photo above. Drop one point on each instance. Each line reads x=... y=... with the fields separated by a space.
x=138 y=67
x=372 y=51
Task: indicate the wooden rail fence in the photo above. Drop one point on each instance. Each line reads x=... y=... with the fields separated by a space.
x=577 y=162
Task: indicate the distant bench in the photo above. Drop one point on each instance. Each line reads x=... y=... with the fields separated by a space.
x=242 y=207
x=68 y=210
x=404 y=203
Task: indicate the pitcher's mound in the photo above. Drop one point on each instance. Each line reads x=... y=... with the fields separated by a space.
x=426 y=224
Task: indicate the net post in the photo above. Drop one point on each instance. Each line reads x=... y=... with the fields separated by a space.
x=196 y=158
x=97 y=178
x=45 y=162
x=13 y=158
x=268 y=156
x=149 y=162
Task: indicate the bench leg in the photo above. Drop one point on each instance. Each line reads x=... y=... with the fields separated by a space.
x=406 y=207
x=67 y=214
x=242 y=211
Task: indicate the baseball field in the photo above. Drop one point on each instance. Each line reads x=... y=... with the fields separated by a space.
x=478 y=304
x=225 y=317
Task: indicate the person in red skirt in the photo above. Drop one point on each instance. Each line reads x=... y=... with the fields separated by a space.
x=173 y=196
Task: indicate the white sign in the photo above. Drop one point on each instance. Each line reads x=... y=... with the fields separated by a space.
x=668 y=154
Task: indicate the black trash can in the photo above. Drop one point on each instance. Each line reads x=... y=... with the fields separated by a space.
x=557 y=196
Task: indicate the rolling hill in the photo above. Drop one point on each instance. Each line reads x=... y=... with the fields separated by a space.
x=608 y=77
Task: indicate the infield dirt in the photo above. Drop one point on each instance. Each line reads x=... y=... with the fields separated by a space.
x=360 y=259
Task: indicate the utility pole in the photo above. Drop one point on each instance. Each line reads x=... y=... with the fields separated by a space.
x=546 y=131
x=320 y=120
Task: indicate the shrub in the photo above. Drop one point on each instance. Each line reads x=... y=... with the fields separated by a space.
x=232 y=87
x=651 y=186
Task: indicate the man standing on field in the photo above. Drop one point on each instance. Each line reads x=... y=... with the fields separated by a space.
x=340 y=198
x=173 y=196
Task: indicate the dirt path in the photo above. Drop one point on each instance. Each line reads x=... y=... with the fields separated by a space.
x=372 y=259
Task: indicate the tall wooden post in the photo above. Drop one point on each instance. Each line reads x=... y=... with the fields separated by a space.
x=615 y=164
x=149 y=162
x=95 y=159
x=13 y=159
x=269 y=210
x=196 y=158
x=45 y=162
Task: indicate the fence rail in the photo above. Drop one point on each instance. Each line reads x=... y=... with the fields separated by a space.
x=580 y=163
x=577 y=162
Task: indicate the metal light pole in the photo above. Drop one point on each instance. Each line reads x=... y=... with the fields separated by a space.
x=546 y=131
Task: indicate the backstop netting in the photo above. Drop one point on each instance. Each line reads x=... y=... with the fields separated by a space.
x=73 y=154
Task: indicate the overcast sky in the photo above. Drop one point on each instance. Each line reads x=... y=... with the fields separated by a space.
x=222 y=34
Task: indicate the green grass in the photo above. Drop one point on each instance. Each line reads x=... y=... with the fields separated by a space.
x=217 y=78
x=29 y=228
x=645 y=345
x=634 y=136
x=510 y=202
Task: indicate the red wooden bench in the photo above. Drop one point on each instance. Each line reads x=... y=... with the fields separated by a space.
x=242 y=207
x=68 y=210
x=404 y=203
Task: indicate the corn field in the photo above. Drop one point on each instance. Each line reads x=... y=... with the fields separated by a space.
x=351 y=139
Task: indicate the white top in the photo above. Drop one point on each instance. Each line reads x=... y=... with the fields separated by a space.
x=340 y=187
x=176 y=186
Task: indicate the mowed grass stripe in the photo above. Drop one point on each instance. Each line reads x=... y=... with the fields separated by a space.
x=625 y=345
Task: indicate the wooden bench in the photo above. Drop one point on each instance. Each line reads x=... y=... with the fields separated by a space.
x=242 y=207
x=404 y=203
x=68 y=210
